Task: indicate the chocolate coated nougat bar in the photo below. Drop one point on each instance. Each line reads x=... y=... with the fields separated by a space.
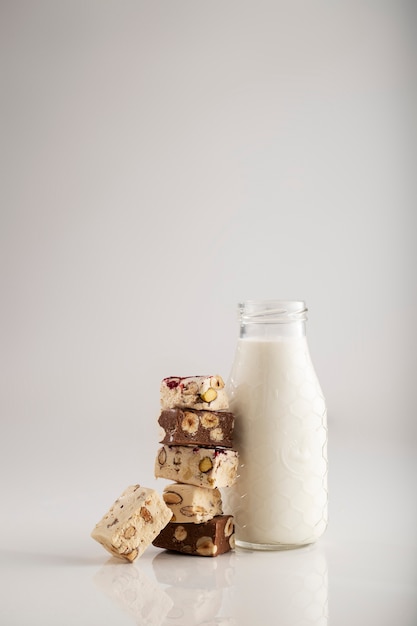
x=204 y=467
x=184 y=427
x=196 y=392
x=207 y=539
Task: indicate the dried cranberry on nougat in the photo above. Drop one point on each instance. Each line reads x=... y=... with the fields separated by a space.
x=196 y=392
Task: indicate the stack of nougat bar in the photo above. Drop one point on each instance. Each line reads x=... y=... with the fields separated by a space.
x=197 y=454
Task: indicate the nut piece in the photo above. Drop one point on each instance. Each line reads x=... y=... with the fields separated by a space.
x=216 y=382
x=205 y=464
x=146 y=514
x=216 y=434
x=177 y=457
x=129 y=532
x=171 y=497
x=205 y=546
x=193 y=510
x=232 y=542
x=229 y=527
x=131 y=556
x=208 y=420
x=180 y=533
x=189 y=423
x=190 y=389
x=187 y=549
x=209 y=395
x=162 y=456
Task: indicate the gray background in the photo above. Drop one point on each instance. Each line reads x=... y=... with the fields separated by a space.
x=161 y=161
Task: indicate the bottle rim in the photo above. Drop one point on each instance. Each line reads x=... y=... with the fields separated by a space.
x=272 y=311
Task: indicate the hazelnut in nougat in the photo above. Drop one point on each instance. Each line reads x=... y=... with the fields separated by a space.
x=196 y=392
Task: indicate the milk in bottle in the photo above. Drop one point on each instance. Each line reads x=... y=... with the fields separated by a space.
x=280 y=498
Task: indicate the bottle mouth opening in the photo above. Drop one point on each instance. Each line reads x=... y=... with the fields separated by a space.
x=272 y=311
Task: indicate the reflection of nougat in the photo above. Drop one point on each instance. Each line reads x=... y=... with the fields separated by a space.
x=172 y=570
x=220 y=621
x=203 y=467
x=132 y=591
x=193 y=606
x=133 y=521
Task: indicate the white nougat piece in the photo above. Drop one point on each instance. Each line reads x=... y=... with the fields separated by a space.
x=196 y=392
x=203 y=467
x=189 y=503
x=132 y=523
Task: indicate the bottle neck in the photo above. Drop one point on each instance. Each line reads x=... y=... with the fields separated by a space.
x=272 y=319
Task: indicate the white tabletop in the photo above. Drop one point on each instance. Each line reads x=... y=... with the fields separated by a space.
x=363 y=570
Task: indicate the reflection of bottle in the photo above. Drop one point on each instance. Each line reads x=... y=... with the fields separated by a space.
x=280 y=498
x=193 y=606
x=294 y=589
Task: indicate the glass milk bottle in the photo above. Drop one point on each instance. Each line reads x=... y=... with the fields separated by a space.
x=280 y=497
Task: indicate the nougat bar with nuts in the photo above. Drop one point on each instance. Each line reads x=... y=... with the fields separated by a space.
x=132 y=522
x=184 y=427
x=196 y=392
x=203 y=467
x=210 y=538
x=189 y=503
